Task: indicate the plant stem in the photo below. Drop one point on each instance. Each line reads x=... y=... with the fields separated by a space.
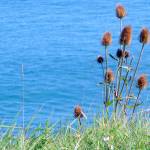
x=120 y=74
x=125 y=78
x=22 y=78
x=79 y=121
x=129 y=92
x=106 y=86
x=136 y=103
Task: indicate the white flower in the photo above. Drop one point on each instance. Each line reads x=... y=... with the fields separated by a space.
x=106 y=139
x=112 y=147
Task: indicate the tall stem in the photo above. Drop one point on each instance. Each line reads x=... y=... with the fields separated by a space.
x=125 y=79
x=106 y=86
x=136 y=103
x=135 y=73
x=22 y=78
x=120 y=74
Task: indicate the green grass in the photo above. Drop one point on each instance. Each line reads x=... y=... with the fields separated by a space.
x=101 y=135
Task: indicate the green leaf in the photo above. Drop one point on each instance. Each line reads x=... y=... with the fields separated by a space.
x=124 y=79
x=113 y=57
x=132 y=106
x=108 y=103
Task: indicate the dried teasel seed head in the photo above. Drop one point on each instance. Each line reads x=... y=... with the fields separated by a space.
x=142 y=82
x=127 y=54
x=126 y=35
x=78 y=112
x=107 y=39
x=100 y=59
x=120 y=11
x=109 y=76
x=144 y=36
x=120 y=53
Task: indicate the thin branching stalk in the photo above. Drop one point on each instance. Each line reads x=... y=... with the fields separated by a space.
x=136 y=102
x=79 y=119
x=106 y=86
x=142 y=49
x=120 y=75
x=120 y=25
x=22 y=79
x=127 y=73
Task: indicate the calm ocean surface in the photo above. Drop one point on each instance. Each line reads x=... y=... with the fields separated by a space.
x=58 y=41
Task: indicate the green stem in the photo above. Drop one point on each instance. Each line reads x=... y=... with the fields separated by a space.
x=125 y=79
x=120 y=74
x=106 y=86
x=142 y=49
x=136 y=103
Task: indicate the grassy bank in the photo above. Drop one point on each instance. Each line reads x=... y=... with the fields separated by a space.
x=101 y=135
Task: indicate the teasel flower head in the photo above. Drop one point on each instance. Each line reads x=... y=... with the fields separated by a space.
x=78 y=112
x=142 y=82
x=144 y=36
x=109 y=76
x=126 y=35
x=126 y=54
x=100 y=59
x=107 y=39
x=120 y=11
x=120 y=53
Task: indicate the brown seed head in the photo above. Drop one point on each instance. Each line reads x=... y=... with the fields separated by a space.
x=126 y=35
x=142 y=82
x=107 y=39
x=127 y=54
x=78 y=112
x=109 y=77
x=144 y=36
x=120 y=11
x=120 y=53
x=100 y=59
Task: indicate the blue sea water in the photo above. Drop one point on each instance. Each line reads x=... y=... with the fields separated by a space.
x=58 y=41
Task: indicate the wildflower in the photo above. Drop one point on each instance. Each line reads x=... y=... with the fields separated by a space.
x=100 y=59
x=79 y=113
x=126 y=35
x=109 y=77
x=142 y=82
x=120 y=11
x=111 y=147
x=106 y=139
x=144 y=36
x=120 y=53
x=107 y=39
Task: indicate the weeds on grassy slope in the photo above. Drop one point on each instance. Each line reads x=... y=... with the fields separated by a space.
x=119 y=93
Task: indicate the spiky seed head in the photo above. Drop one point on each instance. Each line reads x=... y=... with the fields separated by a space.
x=100 y=59
x=144 y=36
x=78 y=112
x=109 y=76
x=120 y=53
x=142 y=82
x=126 y=35
x=120 y=11
x=127 y=54
x=107 y=39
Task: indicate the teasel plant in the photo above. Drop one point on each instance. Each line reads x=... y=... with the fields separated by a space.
x=79 y=114
x=106 y=42
x=120 y=14
x=141 y=84
x=118 y=85
x=143 y=39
